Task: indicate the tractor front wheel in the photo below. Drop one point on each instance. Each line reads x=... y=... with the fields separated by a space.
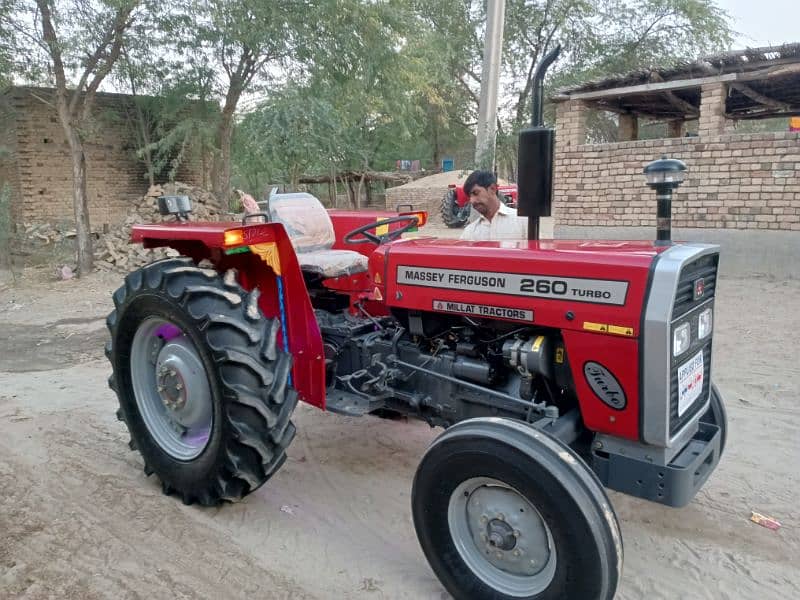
x=505 y=511
x=202 y=386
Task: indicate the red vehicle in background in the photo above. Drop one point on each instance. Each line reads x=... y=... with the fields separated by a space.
x=455 y=204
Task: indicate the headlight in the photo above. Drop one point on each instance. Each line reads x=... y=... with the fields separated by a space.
x=704 y=323
x=681 y=339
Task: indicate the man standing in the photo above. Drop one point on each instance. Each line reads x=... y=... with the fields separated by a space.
x=497 y=221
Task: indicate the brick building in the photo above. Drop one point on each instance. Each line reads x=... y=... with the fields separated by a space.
x=35 y=161
x=737 y=181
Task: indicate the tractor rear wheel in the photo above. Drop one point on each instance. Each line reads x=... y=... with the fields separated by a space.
x=504 y=511
x=202 y=387
x=453 y=215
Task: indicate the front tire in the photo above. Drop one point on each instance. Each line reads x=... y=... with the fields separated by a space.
x=504 y=511
x=202 y=386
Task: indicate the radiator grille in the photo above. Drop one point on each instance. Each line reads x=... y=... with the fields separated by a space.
x=704 y=268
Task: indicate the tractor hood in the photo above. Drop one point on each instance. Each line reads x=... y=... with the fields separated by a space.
x=582 y=285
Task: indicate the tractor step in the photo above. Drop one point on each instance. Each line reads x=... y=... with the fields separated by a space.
x=349 y=404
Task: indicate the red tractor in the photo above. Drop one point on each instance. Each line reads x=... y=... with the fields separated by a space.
x=555 y=368
x=455 y=204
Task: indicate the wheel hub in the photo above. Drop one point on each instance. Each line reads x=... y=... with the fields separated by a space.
x=171 y=388
x=500 y=535
x=182 y=383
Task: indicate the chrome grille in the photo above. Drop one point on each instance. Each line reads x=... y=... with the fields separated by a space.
x=704 y=267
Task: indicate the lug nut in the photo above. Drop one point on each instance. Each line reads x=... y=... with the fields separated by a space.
x=517 y=552
x=501 y=516
x=517 y=533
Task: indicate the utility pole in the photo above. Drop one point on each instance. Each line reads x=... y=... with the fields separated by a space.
x=490 y=78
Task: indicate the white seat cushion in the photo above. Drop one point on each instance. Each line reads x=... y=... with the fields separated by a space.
x=332 y=263
x=310 y=228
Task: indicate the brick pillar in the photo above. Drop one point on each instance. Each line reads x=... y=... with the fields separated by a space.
x=571 y=124
x=675 y=128
x=628 y=128
x=712 y=109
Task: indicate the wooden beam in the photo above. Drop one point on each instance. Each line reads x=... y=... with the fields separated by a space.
x=760 y=98
x=687 y=108
x=764 y=113
x=645 y=88
x=681 y=84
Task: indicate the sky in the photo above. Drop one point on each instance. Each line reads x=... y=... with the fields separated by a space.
x=763 y=22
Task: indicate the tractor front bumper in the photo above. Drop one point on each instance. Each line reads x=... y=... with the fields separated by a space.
x=674 y=483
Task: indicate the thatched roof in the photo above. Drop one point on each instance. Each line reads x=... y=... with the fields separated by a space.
x=762 y=82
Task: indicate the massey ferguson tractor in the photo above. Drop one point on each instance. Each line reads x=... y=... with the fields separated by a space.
x=555 y=368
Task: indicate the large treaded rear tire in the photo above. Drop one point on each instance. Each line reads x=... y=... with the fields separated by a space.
x=247 y=374
x=452 y=214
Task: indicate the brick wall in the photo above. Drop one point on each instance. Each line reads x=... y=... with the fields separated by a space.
x=43 y=189
x=735 y=181
x=428 y=198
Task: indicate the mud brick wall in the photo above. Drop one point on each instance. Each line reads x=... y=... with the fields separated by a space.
x=41 y=159
x=734 y=181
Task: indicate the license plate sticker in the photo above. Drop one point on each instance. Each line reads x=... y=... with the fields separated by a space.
x=690 y=382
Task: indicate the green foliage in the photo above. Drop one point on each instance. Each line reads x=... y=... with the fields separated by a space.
x=178 y=129
x=6 y=226
x=351 y=84
x=292 y=133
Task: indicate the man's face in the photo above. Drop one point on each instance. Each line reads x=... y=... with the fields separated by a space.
x=484 y=200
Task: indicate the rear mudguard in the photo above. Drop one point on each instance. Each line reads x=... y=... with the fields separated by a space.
x=265 y=259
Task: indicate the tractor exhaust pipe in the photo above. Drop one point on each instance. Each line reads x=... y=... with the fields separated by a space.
x=664 y=176
x=535 y=156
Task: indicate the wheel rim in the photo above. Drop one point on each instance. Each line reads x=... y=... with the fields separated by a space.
x=501 y=537
x=171 y=387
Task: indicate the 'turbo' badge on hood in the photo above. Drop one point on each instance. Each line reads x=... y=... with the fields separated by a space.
x=604 y=385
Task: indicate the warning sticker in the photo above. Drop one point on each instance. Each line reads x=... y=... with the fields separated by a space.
x=576 y=289
x=483 y=310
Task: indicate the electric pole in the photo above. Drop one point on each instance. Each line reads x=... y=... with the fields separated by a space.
x=490 y=78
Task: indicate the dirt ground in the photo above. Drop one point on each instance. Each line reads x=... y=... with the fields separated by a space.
x=79 y=519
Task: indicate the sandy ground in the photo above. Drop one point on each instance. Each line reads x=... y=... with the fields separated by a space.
x=79 y=519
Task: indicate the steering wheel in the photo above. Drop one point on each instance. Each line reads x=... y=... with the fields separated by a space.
x=367 y=238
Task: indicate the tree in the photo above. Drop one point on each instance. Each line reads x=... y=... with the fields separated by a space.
x=289 y=135
x=62 y=40
x=602 y=38
x=241 y=41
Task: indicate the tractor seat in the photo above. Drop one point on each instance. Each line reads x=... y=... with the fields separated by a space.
x=310 y=228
